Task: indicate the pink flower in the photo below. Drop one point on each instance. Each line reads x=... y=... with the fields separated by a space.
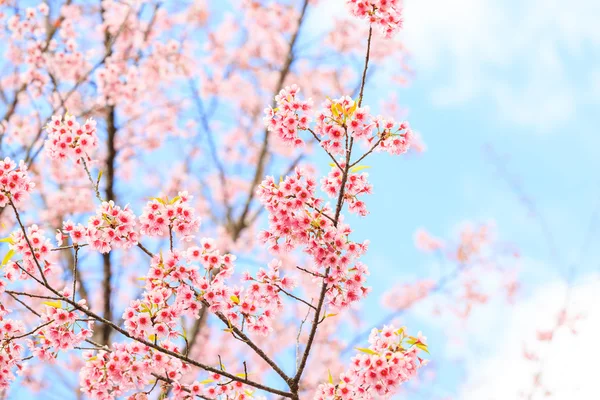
x=67 y=138
x=386 y=14
x=15 y=182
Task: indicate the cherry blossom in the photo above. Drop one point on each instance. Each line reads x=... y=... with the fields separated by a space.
x=15 y=183
x=67 y=138
x=386 y=14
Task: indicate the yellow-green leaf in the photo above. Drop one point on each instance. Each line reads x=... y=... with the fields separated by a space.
x=368 y=351
x=359 y=168
x=334 y=110
x=330 y=377
x=8 y=239
x=235 y=299
x=423 y=347
x=152 y=337
x=206 y=381
x=175 y=199
x=353 y=108
x=161 y=201
x=55 y=303
x=7 y=257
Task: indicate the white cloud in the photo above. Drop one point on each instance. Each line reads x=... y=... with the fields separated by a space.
x=569 y=370
x=523 y=56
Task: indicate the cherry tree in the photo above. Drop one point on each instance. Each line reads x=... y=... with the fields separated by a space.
x=135 y=130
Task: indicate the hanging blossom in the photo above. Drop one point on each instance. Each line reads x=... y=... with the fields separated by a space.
x=168 y=296
x=386 y=14
x=15 y=182
x=298 y=218
x=64 y=328
x=342 y=117
x=111 y=227
x=356 y=185
x=336 y=122
x=290 y=115
x=162 y=216
x=378 y=371
x=27 y=266
x=128 y=367
x=67 y=138
x=10 y=349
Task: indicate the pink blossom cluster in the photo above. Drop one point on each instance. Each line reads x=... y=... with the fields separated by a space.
x=15 y=182
x=252 y=307
x=67 y=138
x=161 y=217
x=111 y=227
x=215 y=387
x=356 y=185
x=290 y=115
x=108 y=375
x=168 y=296
x=10 y=349
x=297 y=218
x=395 y=138
x=27 y=266
x=342 y=117
x=379 y=370
x=387 y=14
x=127 y=367
x=63 y=329
x=30 y=25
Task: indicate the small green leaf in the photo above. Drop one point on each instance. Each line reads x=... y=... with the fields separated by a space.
x=8 y=239
x=423 y=347
x=7 y=257
x=330 y=377
x=55 y=303
x=368 y=351
x=175 y=199
x=359 y=168
x=235 y=299
x=161 y=201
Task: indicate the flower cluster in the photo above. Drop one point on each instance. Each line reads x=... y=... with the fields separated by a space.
x=286 y=119
x=216 y=386
x=10 y=349
x=385 y=13
x=15 y=182
x=394 y=138
x=297 y=218
x=67 y=138
x=132 y=367
x=168 y=296
x=28 y=265
x=163 y=216
x=111 y=227
x=128 y=366
x=254 y=306
x=342 y=117
x=356 y=184
x=63 y=329
x=378 y=371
